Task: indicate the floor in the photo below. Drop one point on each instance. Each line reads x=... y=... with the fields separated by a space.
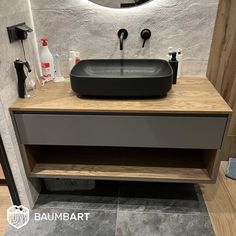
x=5 y=202
x=220 y=200
x=1 y=173
x=124 y=209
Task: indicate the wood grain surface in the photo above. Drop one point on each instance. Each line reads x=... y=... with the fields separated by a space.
x=174 y=165
x=122 y=172
x=5 y=202
x=190 y=95
x=1 y=173
x=220 y=199
x=222 y=64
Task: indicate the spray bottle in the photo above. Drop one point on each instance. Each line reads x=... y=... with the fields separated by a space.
x=47 y=62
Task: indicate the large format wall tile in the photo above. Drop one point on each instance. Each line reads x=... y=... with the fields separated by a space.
x=13 y=12
x=92 y=29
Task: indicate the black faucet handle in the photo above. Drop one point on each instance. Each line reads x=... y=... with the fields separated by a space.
x=122 y=34
x=125 y=33
x=145 y=35
x=28 y=66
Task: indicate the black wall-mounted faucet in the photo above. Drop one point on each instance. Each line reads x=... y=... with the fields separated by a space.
x=145 y=35
x=122 y=34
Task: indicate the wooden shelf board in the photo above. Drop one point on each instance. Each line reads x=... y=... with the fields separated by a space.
x=120 y=172
x=183 y=165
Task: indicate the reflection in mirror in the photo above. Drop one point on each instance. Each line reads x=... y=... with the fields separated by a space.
x=120 y=3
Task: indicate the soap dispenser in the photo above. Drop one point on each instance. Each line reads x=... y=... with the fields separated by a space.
x=174 y=65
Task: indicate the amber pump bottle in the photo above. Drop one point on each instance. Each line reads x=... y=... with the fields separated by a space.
x=174 y=64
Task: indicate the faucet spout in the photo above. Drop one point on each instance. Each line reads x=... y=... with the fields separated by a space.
x=121 y=41
x=122 y=34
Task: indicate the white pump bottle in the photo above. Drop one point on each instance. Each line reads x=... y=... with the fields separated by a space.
x=47 y=62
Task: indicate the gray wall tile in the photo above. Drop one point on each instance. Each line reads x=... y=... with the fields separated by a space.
x=13 y=12
x=91 y=29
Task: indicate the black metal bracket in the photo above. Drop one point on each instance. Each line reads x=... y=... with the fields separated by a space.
x=18 y=32
x=8 y=175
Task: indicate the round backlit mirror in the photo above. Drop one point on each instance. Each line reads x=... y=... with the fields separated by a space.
x=120 y=3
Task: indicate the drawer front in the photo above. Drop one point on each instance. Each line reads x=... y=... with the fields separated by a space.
x=122 y=130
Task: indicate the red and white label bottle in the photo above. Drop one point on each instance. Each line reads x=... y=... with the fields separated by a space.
x=47 y=62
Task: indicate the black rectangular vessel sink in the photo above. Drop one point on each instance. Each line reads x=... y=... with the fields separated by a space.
x=122 y=78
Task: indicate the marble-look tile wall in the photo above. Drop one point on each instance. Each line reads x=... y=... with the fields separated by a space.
x=92 y=29
x=13 y=12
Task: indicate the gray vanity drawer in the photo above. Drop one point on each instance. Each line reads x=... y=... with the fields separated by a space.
x=122 y=130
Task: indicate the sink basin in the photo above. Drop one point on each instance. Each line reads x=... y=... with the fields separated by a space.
x=122 y=78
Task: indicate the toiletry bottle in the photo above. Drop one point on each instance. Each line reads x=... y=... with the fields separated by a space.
x=72 y=57
x=169 y=54
x=58 y=75
x=47 y=62
x=77 y=57
x=179 y=59
x=174 y=64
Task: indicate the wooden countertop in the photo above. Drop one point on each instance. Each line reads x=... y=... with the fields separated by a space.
x=192 y=95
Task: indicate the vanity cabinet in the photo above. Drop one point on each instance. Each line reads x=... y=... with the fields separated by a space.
x=176 y=139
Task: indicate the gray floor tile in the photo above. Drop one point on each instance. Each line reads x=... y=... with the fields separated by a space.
x=140 y=208
x=103 y=197
x=162 y=198
x=100 y=223
x=152 y=224
x=77 y=202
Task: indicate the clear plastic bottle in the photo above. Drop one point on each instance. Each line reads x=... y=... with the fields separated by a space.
x=58 y=75
x=72 y=57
